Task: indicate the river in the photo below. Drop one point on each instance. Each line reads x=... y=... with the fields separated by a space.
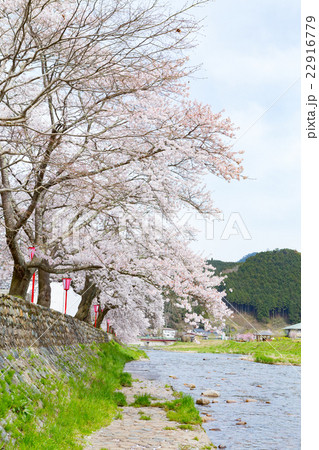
x=274 y=425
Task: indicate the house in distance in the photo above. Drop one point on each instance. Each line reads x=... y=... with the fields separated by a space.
x=264 y=335
x=293 y=331
x=169 y=333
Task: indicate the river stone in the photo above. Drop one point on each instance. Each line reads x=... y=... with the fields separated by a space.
x=207 y=419
x=241 y=423
x=202 y=401
x=250 y=400
x=231 y=401
x=210 y=393
x=173 y=376
x=222 y=446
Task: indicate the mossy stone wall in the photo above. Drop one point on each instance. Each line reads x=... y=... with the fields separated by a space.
x=23 y=324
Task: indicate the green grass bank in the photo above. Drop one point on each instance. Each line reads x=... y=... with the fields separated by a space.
x=56 y=408
x=278 y=351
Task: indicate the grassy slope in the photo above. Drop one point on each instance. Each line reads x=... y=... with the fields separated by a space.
x=279 y=351
x=63 y=409
x=247 y=323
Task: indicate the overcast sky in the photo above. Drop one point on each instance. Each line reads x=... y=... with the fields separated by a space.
x=251 y=68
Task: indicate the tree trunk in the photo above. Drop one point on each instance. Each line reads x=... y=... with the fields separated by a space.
x=20 y=281
x=44 y=296
x=103 y=313
x=101 y=316
x=90 y=291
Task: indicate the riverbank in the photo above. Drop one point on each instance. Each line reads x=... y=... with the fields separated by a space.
x=278 y=351
x=156 y=417
x=51 y=398
x=258 y=406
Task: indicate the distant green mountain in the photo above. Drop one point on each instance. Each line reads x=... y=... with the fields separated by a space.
x=267 y=284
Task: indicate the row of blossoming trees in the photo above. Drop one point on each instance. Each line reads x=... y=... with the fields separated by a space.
x=101 y=150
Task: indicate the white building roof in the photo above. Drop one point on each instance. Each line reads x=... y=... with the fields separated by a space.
x=264 y=333
x=297 y=326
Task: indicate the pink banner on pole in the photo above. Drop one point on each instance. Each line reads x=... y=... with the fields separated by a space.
x=31 y=255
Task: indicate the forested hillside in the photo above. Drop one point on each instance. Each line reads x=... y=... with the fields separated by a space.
x=266 y=284
x=221 y=266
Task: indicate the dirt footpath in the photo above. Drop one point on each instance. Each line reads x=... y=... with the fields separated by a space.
x=132 y=432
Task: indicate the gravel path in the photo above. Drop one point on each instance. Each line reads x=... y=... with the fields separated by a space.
x=130 y=432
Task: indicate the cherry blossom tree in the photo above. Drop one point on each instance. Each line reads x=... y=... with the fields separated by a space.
x=140 y=266
x=98 y=133
x=61 y=64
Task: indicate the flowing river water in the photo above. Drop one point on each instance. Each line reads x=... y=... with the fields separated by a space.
x=274 y=425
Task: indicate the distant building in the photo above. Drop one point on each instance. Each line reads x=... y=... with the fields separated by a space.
x=169 y=333
x=168 y=337
x=293 y=331
x=264 y=335
x=201 y=332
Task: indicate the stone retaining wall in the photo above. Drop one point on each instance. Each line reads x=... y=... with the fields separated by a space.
x=24 y=324
x=30 y=369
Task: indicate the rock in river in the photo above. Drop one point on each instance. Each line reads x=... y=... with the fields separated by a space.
x=202 y=401
x=210 y=393
x=207 y=419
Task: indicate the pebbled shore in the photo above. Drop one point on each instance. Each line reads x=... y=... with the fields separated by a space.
x=130 y=432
